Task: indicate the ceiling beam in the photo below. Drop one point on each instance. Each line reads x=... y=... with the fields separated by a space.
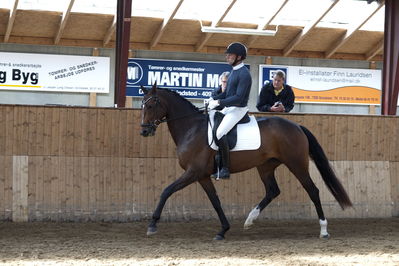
x=110 y=32
x=301 y=35
x=253 y=38
x=11 y=21
x=205 y=37
x=349 y=33
x=164 y=24
x=64 y=21
x=376 y=50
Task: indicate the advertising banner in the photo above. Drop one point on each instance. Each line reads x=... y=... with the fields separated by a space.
x=328 y=85
x=190 y=79
x=56 y=73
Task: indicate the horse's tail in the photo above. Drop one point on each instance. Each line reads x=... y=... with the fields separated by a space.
x=327 y=173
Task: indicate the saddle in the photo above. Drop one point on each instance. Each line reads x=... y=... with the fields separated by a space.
x=232 y=134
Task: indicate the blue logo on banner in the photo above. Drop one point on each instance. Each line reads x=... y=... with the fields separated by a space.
x=134 y=73
x=190 y=79
x=269 y=72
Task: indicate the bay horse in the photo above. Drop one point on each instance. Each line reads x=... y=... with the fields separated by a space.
x=282 y=142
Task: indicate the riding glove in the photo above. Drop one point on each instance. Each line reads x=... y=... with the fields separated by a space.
x=213 y=104
x=206 y=101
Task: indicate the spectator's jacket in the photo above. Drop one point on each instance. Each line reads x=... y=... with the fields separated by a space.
x=217 y=91
x=267 y=98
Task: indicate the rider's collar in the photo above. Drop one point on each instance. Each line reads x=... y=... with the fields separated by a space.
x=240 y=65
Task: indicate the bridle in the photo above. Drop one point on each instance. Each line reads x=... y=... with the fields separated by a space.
x=154 y=124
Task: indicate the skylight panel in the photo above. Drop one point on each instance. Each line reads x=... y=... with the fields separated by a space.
x=208 y=10
x=95 y=6
x=253 y=11
x=376 y=22
x=153 y=8
x=48 y=5
x=301 y=12
x=7 y=4
x=347 y=13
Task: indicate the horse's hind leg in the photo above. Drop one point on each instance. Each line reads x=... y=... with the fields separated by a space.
x=266 y=172
x=304 y=178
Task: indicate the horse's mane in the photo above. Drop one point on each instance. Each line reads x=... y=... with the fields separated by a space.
x=181 y=97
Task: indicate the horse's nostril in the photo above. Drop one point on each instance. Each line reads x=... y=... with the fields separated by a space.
x=144 y=133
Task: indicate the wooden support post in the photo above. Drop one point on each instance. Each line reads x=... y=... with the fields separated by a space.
x=96 y=52
x=372 y=65
x=123 y=22
x=371 y=109
x=93 y=95
x=129 y=99
x=390 y=69
x=20 y=189
x=93 y=99
x=129 y=102
x=268 y=60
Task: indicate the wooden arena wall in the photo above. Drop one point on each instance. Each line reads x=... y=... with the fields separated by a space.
x=81 y=164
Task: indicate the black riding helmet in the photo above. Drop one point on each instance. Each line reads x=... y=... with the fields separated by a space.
x=238 y=49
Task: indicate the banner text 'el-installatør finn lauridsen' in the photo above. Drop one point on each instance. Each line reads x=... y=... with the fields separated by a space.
x=329 y=85
x=55 y=73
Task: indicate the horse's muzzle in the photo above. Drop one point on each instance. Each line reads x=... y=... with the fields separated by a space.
x=148 y=130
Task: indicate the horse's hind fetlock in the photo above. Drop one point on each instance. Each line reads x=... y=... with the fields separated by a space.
x=152 y=227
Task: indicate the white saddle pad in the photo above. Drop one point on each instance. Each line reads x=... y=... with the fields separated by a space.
x=248 y=135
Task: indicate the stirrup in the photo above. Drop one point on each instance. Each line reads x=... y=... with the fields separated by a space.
x=223 y=173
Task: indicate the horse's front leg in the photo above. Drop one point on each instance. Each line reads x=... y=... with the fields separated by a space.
x=186 y=179
x=210 y=190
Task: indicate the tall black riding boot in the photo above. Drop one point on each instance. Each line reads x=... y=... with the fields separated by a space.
x=224 y=152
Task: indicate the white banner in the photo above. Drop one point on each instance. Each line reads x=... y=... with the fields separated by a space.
x=57 y=73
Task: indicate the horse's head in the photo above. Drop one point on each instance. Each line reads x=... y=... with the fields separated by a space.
x=152 y=112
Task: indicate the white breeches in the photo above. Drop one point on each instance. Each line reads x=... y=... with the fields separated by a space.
x=232 y=115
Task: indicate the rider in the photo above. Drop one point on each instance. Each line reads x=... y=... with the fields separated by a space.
x=234 y=102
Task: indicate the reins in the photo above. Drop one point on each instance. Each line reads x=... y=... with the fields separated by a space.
x=157 y=122
x=200 y=109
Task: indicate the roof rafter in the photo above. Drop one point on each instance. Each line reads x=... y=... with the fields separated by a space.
x=377 y=49
x=164 y=24
x=11 y=21
x=64 y=21
x=349 y=33
x=301 y=35
x=110 y=32
x=253 y=38
x=205 y=37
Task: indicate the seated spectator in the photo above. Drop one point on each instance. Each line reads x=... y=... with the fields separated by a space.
x=276 y=96
x=222 y=83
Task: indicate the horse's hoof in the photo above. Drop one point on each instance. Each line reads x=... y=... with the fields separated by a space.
x=151 y=231
x=327 y=236
x=218 y=237
x=247 y=226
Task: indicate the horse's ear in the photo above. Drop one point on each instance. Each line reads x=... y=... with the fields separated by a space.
x=154 y=88
x=145 y=91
